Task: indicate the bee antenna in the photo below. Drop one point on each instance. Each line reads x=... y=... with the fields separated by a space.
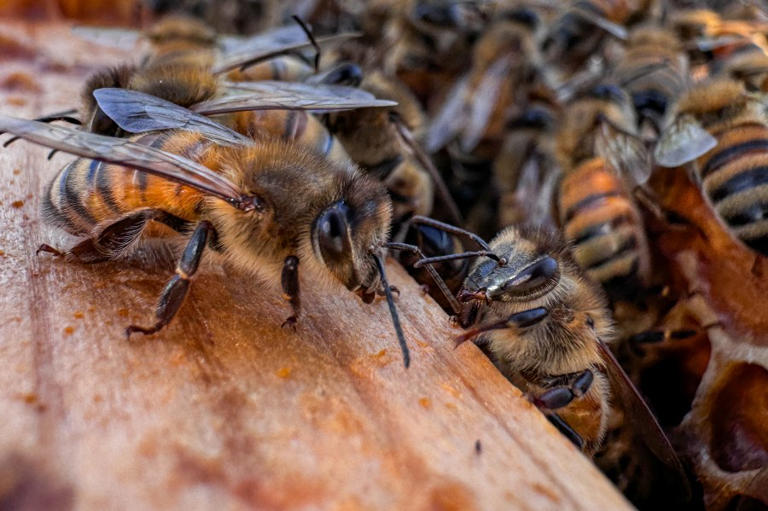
x=393 y=311
x=311 y=38
x=461 y=255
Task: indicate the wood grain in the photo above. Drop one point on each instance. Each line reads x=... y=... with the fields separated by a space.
x=224 y=409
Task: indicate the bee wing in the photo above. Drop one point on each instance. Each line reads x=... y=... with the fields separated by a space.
x=642 y=417
x=271 y=95
x=626 y=153
x=536 y=188
x=113 y=37
x=484 y=101
x=612 y=28
x=449 y=119
x=272 y=44
x=126 y=153
x=137 y=112
x=682 y=141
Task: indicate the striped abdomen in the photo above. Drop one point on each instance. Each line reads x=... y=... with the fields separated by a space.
x=286 y=68
x=86 y=193
x=292 y=125
x=602 y=223
x=734 y=177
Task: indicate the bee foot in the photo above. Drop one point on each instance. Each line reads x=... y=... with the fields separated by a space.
x=146 y=331
x=290 y=322
x=51 y=250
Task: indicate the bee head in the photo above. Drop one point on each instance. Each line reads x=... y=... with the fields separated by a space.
x=530 y=271
x=349 y=231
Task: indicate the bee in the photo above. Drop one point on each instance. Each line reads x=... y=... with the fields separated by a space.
x=505 y=67
x=526 y=173
x=267 y=207
x=721 y=130
x=546 y=326
x=579 y=31
x=654 y=72
x=602 y=161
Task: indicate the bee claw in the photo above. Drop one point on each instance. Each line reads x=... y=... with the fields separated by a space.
x=135 y=328
x=51 y=250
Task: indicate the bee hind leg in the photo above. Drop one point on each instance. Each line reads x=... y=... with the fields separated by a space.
x=176 y=290
x=567 y=431
x=289 y=280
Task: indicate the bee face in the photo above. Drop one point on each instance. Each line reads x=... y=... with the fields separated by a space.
x=346 y=233
x=527 y=274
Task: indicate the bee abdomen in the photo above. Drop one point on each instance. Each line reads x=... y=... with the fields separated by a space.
x=735 y=179
x=86 y=193
x=604 y=227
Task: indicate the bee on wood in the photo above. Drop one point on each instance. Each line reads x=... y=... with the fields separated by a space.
x=722 y=131
x=545 y=326
x=268 y=207
x=602 y=161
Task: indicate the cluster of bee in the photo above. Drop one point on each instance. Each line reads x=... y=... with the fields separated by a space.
x=438 y=124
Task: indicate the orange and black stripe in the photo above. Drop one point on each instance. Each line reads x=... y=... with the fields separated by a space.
x=734 y=176
x=294 y=125
x=604 y=227
x=86 y=193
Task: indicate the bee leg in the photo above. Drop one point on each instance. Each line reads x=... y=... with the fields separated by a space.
x=290 y=282
x=566 y=430
x=561 y=396
x=109 y=243
x=176 y=289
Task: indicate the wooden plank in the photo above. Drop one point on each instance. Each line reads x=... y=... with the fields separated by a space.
x=224 y=409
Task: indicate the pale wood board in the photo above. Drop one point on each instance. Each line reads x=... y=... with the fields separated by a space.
x=224 y=409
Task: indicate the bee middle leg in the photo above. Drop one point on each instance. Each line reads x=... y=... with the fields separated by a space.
x=176 y=290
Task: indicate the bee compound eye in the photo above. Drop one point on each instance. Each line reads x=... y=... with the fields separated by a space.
x=332 y=228
x=534 y=276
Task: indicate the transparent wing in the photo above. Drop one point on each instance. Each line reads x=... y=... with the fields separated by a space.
x=681 y=142
x=641 y=416
x=612 y=28
x=112 y=37
x=626 y=153
x=450 y=118
x=277 y=42
x=124 y=152
x=484 y=102
x=536 y=189
x=137 y=112
x=272 y=95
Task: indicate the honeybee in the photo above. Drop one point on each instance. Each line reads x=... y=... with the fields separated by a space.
x=654 y=72
x=526 y=172
x=267 y=207
x=602 y=161
x=579 y=31
x=721 y=130
x=505 y=65
x=545 y=326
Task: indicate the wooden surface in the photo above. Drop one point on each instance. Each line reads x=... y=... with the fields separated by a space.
x=224 y=410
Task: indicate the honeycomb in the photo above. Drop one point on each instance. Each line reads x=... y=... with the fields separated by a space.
x=710 y=386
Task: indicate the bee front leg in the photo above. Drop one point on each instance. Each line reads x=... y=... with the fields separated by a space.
x=176 y=289
x=290 y=282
